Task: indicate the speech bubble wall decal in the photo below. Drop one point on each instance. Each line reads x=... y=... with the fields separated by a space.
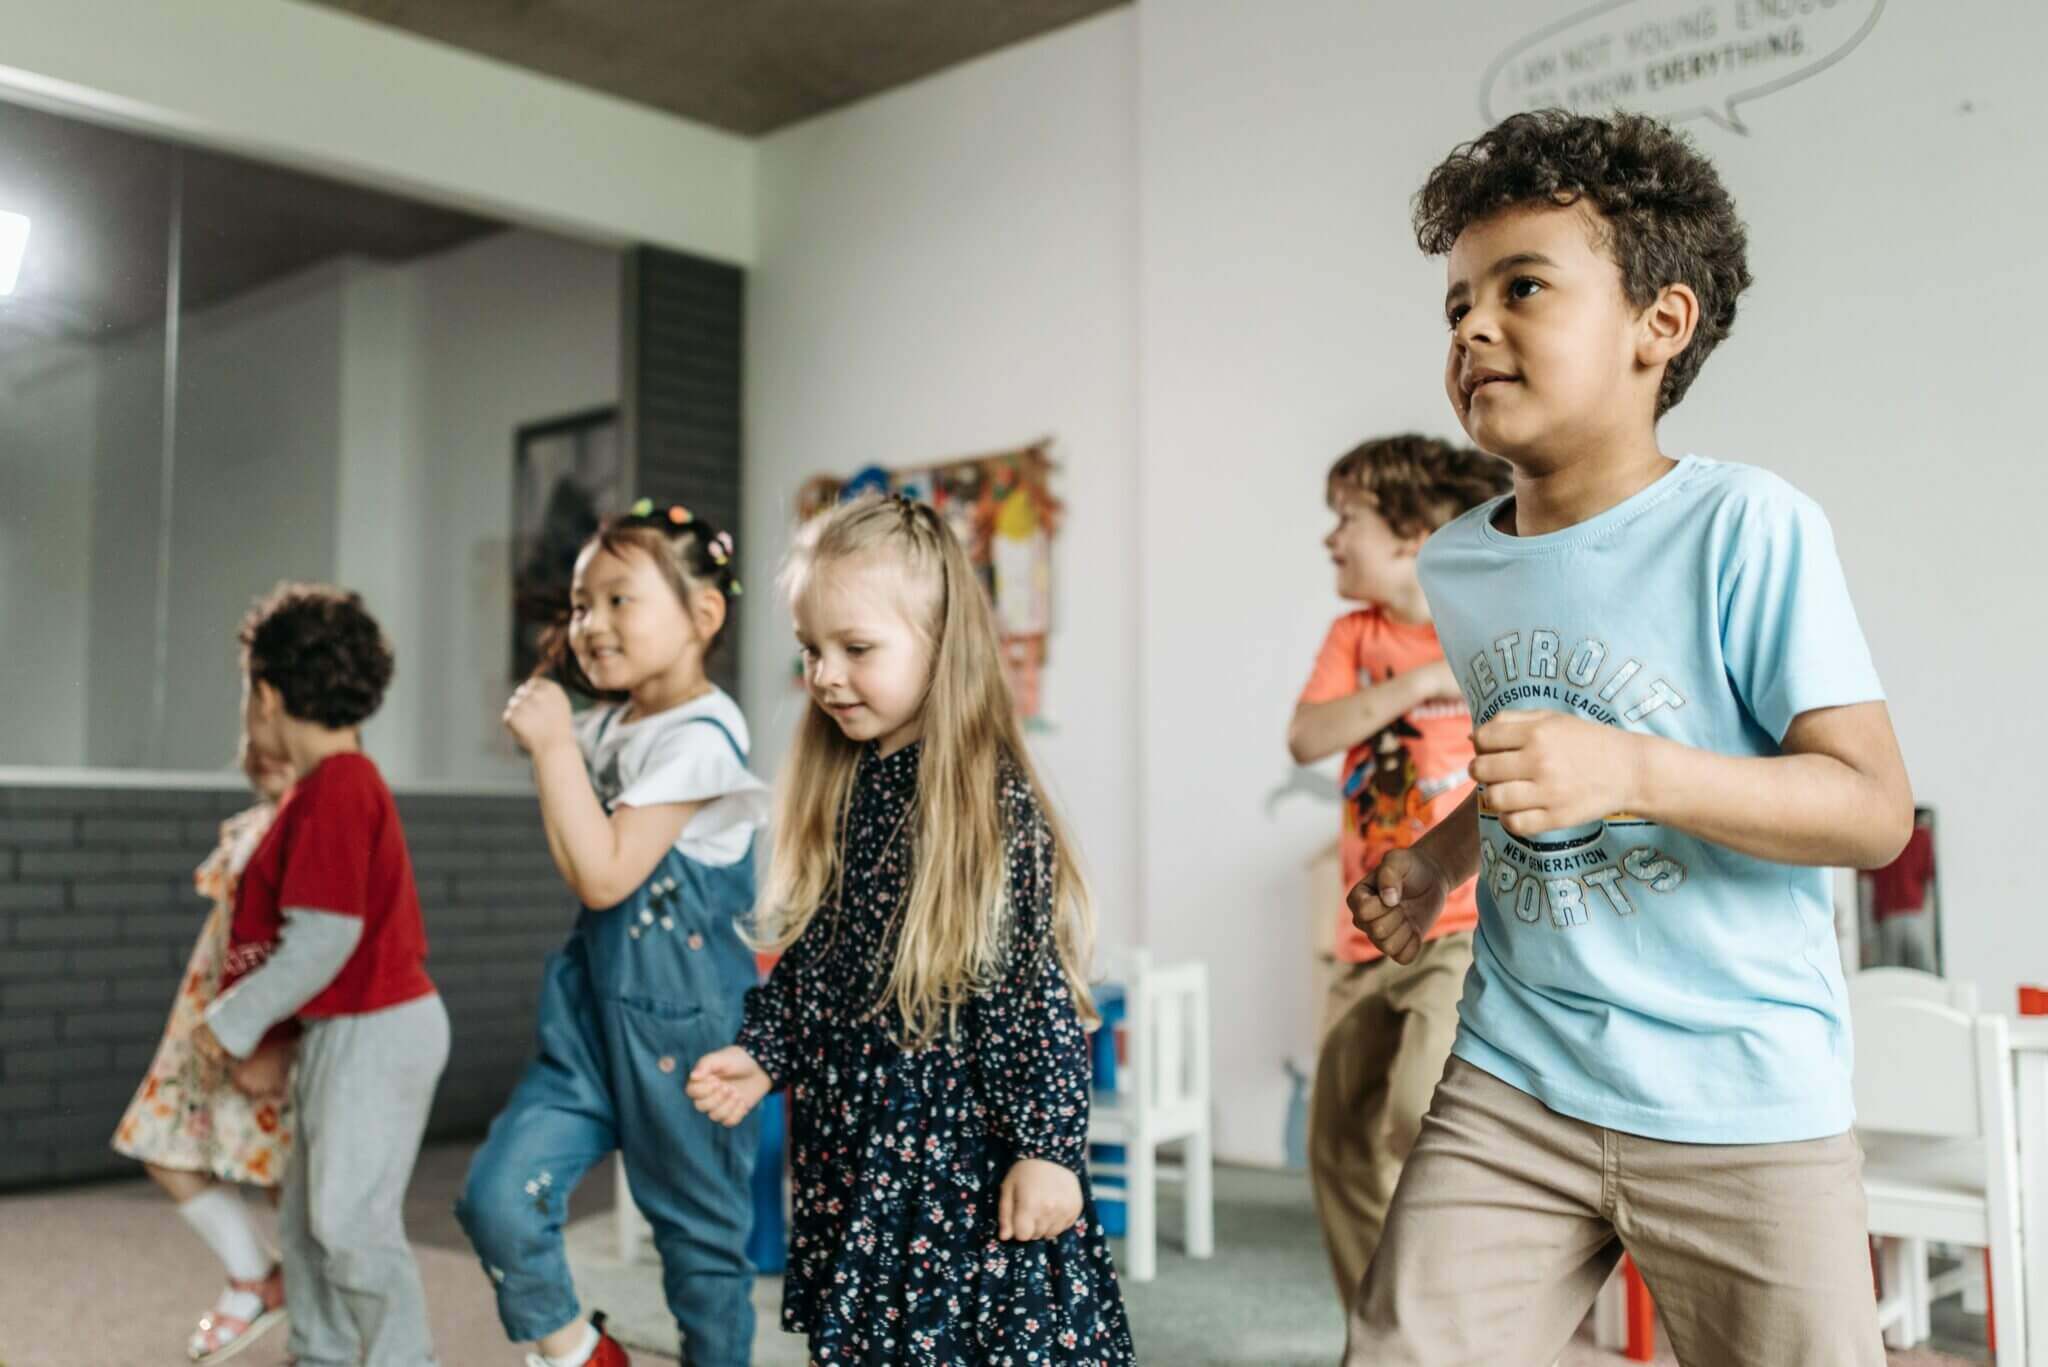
x=1675 y=59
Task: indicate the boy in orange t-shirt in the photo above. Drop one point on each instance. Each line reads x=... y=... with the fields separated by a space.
x=1382 y=694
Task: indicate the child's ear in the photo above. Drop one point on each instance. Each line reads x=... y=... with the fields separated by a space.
x=1667 y=325
x=1411 y=546
x=707 y=612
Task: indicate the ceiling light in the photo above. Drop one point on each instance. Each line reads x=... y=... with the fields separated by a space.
x=13 y=242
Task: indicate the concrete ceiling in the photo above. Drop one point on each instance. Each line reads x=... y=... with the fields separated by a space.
x=749 y=66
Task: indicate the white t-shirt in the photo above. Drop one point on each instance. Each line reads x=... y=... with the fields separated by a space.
x=676 y=756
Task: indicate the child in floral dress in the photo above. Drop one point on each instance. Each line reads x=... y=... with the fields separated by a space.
x=929 y=1011
x=197 y=1132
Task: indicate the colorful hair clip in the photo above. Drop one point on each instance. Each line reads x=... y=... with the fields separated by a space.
x=643 y=507
x=680 y=515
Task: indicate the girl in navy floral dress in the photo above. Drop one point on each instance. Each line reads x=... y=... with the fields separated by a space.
x=928 y=1011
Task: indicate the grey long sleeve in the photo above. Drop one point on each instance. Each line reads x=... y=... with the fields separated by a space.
x=311 y=950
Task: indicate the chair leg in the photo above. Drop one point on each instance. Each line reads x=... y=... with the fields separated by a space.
x=1920 y=1281
x=1642 y=1316
x=1141 y=1203
x=1199 y=1189
x=1976 y=1294
x=624 y=1214
x=1901 y=1290
x=1895 y=1300
x=2020 y=1331
x=1610 y=1314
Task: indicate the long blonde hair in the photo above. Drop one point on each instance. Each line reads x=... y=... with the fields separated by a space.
x=956 y=917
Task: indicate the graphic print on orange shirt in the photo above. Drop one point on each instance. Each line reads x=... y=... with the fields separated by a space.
x=1388 y=802
x=1402 y=779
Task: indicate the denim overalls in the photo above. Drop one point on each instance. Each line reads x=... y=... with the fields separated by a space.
x=639 y=993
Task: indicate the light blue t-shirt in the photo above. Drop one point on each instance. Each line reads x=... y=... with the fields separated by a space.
x=1624 y=973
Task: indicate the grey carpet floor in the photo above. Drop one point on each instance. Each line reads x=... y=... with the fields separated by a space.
x=106 y=1275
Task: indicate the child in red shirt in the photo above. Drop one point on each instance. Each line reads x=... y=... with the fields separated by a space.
x=1382 y=694
x=327 y=937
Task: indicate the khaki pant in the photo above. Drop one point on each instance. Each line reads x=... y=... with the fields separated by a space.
x=1510 y=1217
x=1391 y=1028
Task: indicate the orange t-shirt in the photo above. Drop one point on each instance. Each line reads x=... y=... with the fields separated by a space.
x=1402 y=781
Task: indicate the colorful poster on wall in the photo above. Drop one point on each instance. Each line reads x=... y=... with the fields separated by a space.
x=1001 y=508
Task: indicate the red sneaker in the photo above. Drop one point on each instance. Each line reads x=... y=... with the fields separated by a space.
x=608 y=1353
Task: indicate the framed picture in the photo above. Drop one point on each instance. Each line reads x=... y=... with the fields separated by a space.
x=1898 y=907
x=567 y=475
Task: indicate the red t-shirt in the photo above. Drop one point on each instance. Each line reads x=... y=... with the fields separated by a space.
x=1402 y=781
x=336 y=846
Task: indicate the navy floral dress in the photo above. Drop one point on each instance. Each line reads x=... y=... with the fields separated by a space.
x=899 y=1157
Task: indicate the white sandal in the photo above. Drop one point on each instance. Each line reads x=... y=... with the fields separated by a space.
x=221 y=1336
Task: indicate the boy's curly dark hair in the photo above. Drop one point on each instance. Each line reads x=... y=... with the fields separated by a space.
x=1419 y=483
x=321 y=649
x=1666 y=217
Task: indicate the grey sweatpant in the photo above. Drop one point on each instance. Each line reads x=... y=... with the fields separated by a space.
x=363 y=1087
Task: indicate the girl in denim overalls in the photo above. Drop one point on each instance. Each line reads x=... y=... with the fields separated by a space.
x=650 y=814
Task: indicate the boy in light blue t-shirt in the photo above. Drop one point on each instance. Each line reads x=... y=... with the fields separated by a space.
x=1678 y=731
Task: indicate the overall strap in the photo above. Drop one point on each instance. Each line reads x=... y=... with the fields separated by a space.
x=715 y=722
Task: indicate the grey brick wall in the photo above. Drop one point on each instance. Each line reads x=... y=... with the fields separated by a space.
x=98 y=916
x=685 y=317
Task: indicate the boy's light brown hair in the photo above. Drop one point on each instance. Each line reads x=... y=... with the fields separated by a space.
x=1418 y=483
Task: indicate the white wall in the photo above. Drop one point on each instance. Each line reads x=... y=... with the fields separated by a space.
x=385 y=472
x=351 y=423
x=1881 y=363
x=325 y=91
x=436 y=363
x=515 y=328
x=253 y=494
x=49 y=399
x=127 y=504
x=948 y=269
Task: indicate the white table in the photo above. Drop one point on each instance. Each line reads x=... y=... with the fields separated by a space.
x=2029 y=1041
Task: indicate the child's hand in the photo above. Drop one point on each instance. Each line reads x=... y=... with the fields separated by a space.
x=1041 y=1200
x=1397 y=903
x=538 y=715
x=1544 y=771
x=727 y=1084
x=1436 y=680
x=208 y=1046
x=269 y=775
x=265 y=1073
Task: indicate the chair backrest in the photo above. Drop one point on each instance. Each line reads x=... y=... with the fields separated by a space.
x=1925 y=1068
x=1166 y=1023
x=1911 y=982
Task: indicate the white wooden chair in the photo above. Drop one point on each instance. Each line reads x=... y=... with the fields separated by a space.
x=1162 y=1096
x=1912 y=983
x=1911 y=1256
x=1934 y=1113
